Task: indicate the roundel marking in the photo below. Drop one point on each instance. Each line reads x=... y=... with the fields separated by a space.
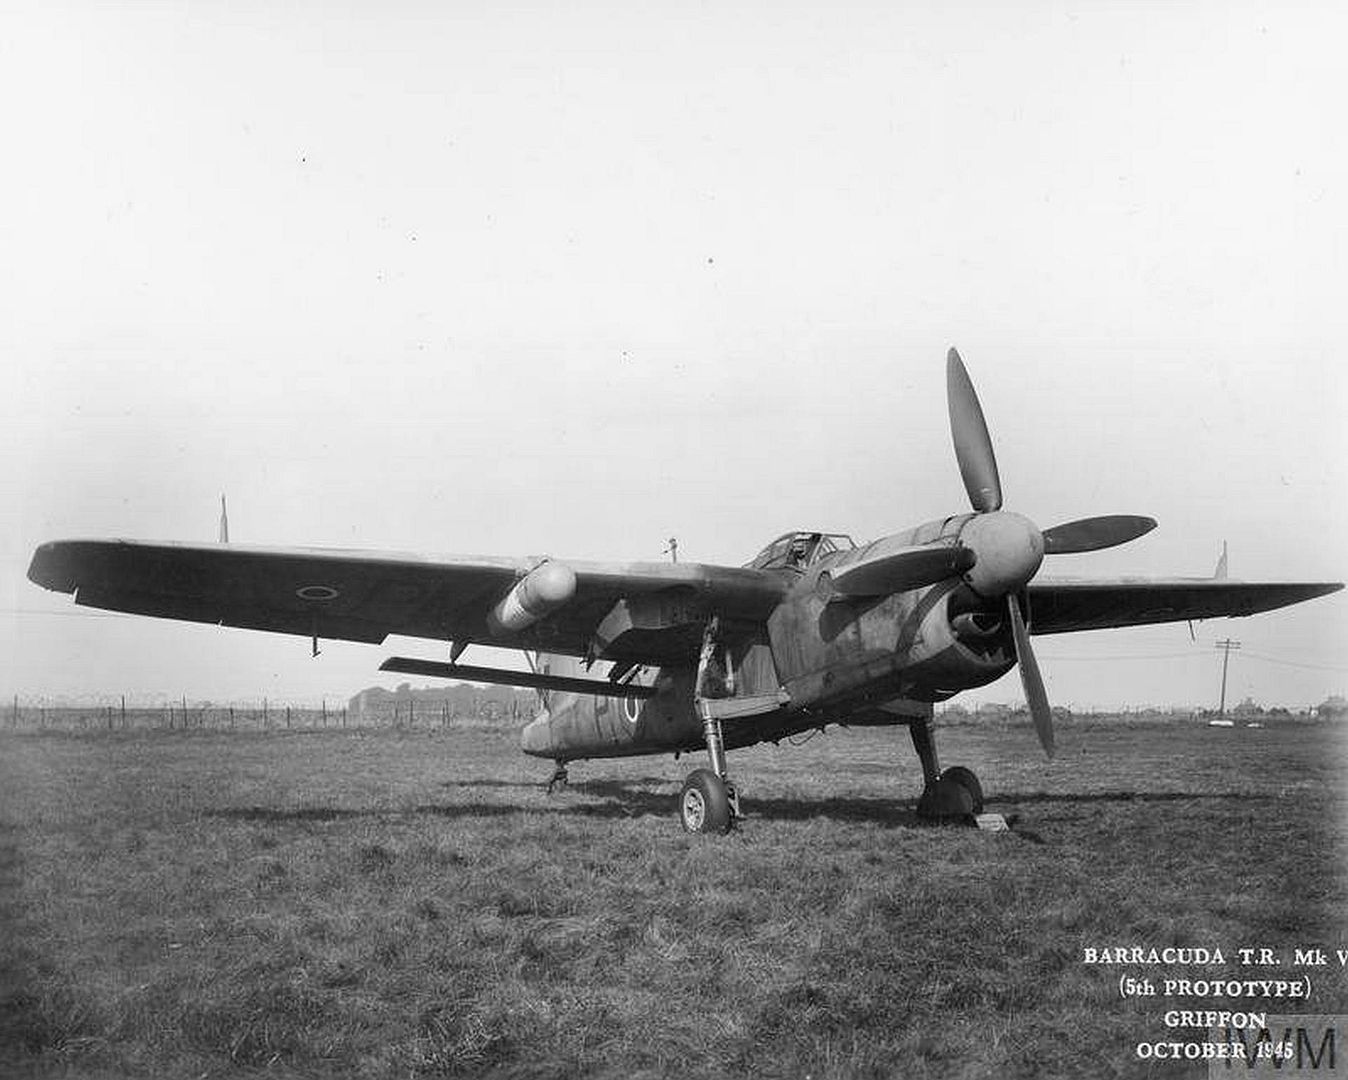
x=317 y=592
x=631 y=709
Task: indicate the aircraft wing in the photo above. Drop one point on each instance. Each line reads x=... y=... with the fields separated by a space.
x=365 y=596
x=1059 y=606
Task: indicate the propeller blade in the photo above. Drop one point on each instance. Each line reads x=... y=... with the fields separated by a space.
x=973 y=446
x=1094 y=533
x=905 y=568
x=1035 y=695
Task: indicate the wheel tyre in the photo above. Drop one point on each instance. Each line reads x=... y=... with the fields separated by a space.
x=947 y=800
x=703 y=804
x=961 y=775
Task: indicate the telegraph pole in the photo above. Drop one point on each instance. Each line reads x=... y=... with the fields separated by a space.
x=1226 y=647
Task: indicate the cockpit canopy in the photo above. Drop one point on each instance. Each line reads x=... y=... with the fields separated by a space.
x=797 y=550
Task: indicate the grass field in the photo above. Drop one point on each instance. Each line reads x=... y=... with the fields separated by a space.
x=391 y=904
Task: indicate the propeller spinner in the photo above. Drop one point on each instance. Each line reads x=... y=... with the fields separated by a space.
x=1008 y=548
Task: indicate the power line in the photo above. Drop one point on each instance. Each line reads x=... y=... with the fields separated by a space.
x=1295 y=663
x=1117 y=656
x=1188 y=654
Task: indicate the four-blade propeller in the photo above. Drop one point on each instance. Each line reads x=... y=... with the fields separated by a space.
x=1008 y=548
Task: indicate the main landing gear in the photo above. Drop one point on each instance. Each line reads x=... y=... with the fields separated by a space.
x=953 y=795
x=708 y=802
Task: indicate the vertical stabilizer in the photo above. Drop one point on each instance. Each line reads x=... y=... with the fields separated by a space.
x=1220 y=572
x=224 y=521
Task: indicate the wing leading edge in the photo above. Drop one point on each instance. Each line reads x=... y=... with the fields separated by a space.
x=645 y=612
x=365 y=596
x=1062 y=606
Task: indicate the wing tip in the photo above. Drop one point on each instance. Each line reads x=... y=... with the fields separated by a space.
x=45 y=567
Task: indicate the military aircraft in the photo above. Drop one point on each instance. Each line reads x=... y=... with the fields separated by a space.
x=650 y=658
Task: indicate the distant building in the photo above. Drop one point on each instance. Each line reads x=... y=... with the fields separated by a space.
x=1334 y=707
x=443 y=704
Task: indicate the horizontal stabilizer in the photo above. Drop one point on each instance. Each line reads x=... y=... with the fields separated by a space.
x=406 y=665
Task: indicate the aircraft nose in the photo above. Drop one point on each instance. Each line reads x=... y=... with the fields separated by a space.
x=1009 y=549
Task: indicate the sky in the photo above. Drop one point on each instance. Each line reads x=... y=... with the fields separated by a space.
x=575 y=279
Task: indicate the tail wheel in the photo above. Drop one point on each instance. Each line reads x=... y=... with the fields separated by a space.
x=704 y=804
x=966 y=779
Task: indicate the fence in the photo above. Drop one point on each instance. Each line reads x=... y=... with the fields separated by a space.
x=258 y=716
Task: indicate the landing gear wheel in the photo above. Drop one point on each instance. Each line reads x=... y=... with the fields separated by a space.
x=946 y=800
x=961 y=775
x=704 y=804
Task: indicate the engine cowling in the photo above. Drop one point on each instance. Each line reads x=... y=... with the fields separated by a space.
x=964 y=643
x=925 y=646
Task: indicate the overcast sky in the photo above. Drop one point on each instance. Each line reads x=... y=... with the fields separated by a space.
x=574 y=279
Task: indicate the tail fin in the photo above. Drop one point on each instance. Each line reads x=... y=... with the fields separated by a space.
x=1220 y=572
x=224 y=521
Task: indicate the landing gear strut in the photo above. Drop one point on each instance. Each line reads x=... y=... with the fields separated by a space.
x=953 y=795
x=559 y=777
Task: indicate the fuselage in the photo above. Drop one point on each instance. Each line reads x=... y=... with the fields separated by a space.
x=823 y=659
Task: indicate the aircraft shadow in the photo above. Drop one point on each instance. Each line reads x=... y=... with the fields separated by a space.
x=540 y=783
x=276 y=816
x=1124 y=796
x=627 y=798
x=634 y=799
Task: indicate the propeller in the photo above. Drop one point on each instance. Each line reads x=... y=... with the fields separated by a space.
x=908 y=567
x=1008 y=548
x=1092 y=534
x=973 y=445
x=1036 y=697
